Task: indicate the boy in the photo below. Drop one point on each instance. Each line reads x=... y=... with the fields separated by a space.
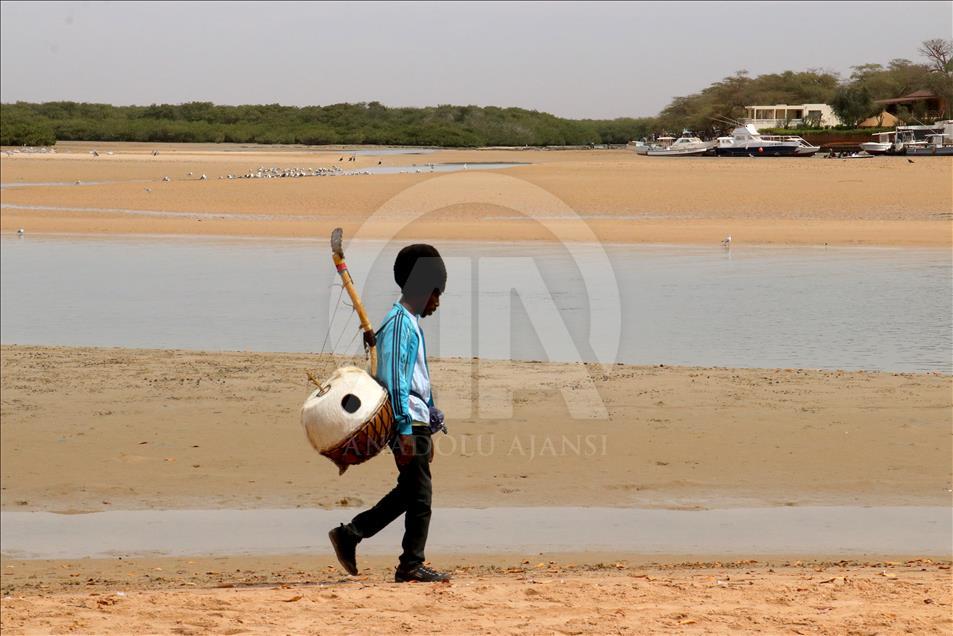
x=402 y=369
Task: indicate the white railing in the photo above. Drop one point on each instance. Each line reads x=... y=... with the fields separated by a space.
x=773 y=123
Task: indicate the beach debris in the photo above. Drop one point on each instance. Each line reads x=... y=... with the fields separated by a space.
x=189 y=173
x=293 y=599
x=910 y=161
x=94 y=153
x=148 y=189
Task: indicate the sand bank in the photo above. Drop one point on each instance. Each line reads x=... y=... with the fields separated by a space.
x=620 y=196
x=101 y=429
x=231 y=596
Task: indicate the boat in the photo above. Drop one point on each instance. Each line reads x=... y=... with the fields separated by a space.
x=939 y=143
x=642 y=148
x=804 y=148
x=685 y=146
x=746 y=141
x=883 y=144
x=918 y=140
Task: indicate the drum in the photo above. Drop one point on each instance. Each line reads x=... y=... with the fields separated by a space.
x=349 y=418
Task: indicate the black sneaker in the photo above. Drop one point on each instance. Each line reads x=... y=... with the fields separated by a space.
x=421 y=574
x=345 y=546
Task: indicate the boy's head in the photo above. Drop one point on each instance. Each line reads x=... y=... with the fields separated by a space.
x=422 y=277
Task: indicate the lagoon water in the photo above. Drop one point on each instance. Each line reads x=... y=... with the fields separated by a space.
x=846 y=308
x=846 y=531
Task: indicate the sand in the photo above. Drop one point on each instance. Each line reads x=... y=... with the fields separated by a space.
x=234 y=596
x=86 y=429
x=620 y=196
x=99 y=429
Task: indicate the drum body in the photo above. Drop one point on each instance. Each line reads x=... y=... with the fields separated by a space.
x=349 y=418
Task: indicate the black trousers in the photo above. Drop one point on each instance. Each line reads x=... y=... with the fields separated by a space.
x=411 y=498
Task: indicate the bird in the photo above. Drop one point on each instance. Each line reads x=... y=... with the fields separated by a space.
x=727 y=241
x=910 y=161
x=94 y=153
x=188 y=174
x=20 y=232
x=203 y=178
x=166 y=179
x=148 y=189
x=77 y=182
x=155 y=153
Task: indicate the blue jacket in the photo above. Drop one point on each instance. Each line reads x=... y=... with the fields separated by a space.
x=397 y=346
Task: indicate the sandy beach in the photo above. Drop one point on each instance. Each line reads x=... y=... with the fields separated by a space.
x=621 y=197
x=88 y=430
x=300 y=595
x=174 y=429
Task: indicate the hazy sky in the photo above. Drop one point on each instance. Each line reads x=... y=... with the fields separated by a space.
x=576 y=60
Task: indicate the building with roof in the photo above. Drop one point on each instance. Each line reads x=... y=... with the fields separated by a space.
x=784 y=115
x=923 y=102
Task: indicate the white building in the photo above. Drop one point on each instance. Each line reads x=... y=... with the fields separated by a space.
x=780 y=115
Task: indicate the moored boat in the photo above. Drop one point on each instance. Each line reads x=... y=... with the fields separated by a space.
x=746 y=141
x=938 y=143
x=804 y=149
x=883 y=144
x=685 y=146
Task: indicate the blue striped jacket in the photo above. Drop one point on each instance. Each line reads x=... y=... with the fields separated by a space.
x=396 y=356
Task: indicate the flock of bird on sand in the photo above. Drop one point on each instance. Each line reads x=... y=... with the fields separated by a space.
x=279 y=173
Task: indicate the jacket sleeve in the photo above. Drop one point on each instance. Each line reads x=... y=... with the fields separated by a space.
x=404 y=356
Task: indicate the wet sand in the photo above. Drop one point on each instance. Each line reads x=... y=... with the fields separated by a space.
x=521 y=596
x=620 y=196
x=101 y=429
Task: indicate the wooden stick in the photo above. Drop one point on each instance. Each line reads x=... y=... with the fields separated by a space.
x=337 y=253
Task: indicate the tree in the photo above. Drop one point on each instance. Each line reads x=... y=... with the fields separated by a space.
x=852 y=104
x=940 y=54
x=940 y=80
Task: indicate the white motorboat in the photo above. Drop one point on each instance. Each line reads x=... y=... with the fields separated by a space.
x=939 y=143
x=804 y=149
x=639 y=147
x=916 y=140
x=746 y=141
x=883 y=144
x=684 y=146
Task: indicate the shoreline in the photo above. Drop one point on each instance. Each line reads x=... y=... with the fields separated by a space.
x=461 y=238
x=177 y=429
x=617 y=196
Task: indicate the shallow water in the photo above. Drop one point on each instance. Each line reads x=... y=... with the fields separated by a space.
x=422 y=168
x=848 y=308
x=379 y=152
x=426 y=168
x=844 y=531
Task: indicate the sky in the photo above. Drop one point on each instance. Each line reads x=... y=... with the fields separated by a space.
x=599 y=60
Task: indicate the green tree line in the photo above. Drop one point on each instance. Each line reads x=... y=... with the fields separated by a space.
x=853 y=99
x=362 y=123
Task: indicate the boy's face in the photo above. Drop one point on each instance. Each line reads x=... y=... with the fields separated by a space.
x=432 y=303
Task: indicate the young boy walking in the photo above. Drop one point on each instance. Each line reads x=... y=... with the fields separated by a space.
x=402 y=369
